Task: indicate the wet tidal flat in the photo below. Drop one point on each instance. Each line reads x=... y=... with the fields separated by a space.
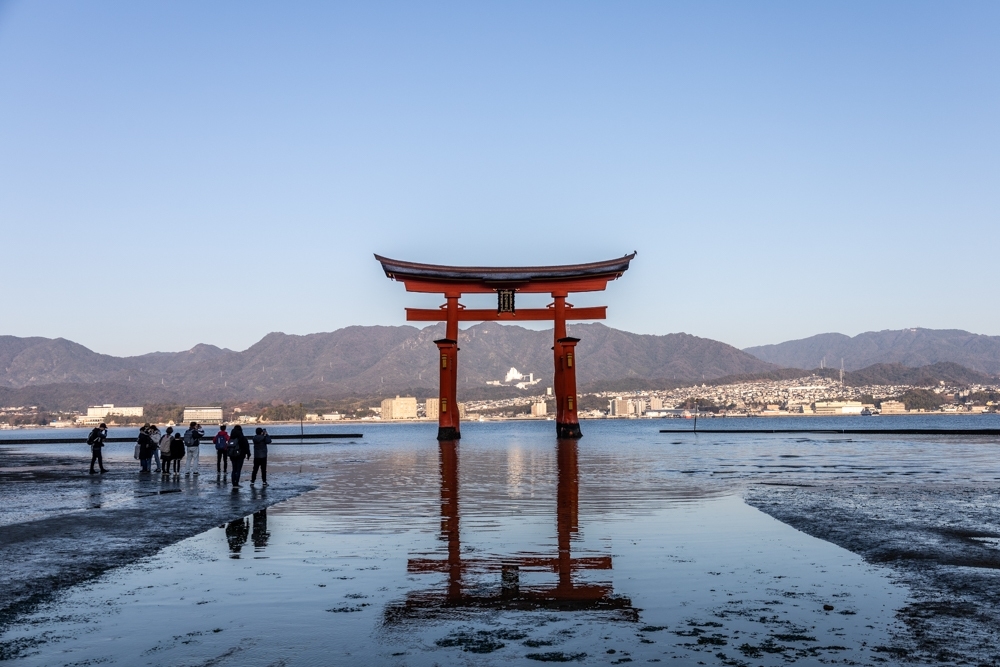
x=511 y=547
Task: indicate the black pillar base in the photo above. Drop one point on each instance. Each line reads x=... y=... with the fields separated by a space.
x=570 y=431
x=450 y=433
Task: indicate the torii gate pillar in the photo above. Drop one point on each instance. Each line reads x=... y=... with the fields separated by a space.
x=564 y=382
x=448 y=425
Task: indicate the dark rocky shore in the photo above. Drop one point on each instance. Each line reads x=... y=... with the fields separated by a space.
x=942 y=541
x=60 y=526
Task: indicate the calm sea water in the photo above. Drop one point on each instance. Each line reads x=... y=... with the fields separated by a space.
x=510 y=546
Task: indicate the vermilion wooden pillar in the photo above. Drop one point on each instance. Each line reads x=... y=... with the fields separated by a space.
x=448 y=426
x=567 y=422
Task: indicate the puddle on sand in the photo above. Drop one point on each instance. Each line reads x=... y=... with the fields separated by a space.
x=517 y=562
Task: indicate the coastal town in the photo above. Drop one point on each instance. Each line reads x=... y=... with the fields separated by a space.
x=804 y=396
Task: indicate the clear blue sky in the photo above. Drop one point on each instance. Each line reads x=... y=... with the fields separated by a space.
x=183 y=172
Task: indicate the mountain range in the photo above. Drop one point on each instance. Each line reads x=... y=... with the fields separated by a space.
x=374 y=360
x=385 y=360
x=909 y=347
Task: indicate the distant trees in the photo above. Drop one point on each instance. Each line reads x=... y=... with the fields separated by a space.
x=702 y=404
x=283 y=413
x=983 y=397
x=921 y=399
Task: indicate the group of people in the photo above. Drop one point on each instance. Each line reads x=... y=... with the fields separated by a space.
x=171 y=447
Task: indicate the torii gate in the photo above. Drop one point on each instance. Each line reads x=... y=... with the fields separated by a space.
x=559 y=281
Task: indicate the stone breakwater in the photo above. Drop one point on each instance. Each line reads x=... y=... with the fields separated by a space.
x=60 y=526
x=941 y=540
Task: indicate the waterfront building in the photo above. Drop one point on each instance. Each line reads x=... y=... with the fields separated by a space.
x=99 y=413
x=655 y=403
x=102 y=411
x=539 y=409
x=839 y=407
x=202 y=415
x=893 y=408
x=399 y=408
x=619 y=407
x=431 y=408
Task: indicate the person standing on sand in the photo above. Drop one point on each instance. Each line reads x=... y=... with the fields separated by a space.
x=146 y=447
x=164 y=446
x=154 y=434
x=192 y=442
x=260 y=442
x=96 y=441
x=177 y=452
x=221 y=442
x=239 y=451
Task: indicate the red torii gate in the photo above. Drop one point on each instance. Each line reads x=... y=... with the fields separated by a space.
x=559 y=281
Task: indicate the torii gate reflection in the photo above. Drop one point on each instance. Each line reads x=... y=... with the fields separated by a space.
x=461 y=592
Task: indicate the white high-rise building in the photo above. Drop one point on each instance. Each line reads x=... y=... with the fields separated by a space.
x=399 y=408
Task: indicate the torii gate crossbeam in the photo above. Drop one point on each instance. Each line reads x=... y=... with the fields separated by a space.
x=558 y=281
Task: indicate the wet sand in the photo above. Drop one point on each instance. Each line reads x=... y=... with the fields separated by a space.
x=941 y=541
x=80 y=526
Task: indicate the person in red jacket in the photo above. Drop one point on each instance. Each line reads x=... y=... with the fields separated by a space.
x=221 y=442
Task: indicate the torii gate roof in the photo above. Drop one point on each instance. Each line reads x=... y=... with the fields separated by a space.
x=572 y=277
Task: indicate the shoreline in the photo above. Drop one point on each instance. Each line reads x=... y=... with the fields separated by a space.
x=117 y=519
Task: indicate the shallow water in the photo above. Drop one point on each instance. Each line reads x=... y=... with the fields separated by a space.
x=630 y=545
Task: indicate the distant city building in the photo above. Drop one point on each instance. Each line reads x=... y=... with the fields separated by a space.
x=517 y=378
x=432 y=408
x=839 y=407
x=655 y=403
x=893 y=408
x=99 y=413
x=638 y=406
x=332 y=416
x=619 y=407
x=102 y=411
x=539 y=409
x=202 y=415
x=399 y=408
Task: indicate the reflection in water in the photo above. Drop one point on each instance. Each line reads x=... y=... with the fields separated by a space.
x=238 y=531
x=260 y=534
x=236 y=534
x=463 y=591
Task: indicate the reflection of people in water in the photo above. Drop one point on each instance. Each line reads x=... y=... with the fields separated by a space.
x=260 y=534
x=236 y=534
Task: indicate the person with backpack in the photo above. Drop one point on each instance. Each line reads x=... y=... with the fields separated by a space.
x=177 y=452
x=260 y=442
x=192 y=441
x=221 y=442
x=164 y=447
x=96 y=441
x=238 y=451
